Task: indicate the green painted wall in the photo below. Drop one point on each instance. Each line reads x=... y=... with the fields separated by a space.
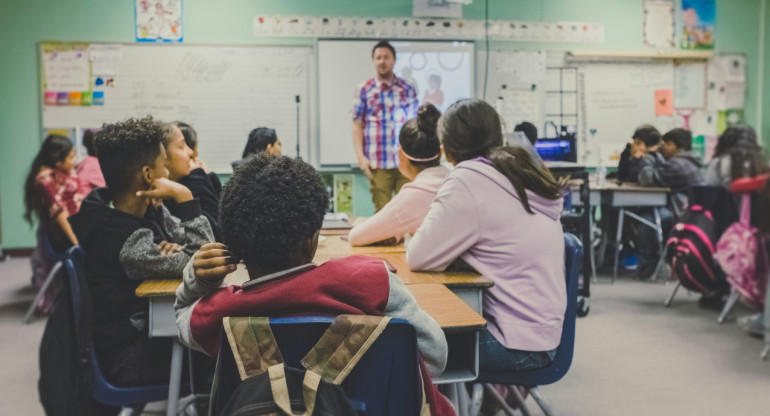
x=23 y=23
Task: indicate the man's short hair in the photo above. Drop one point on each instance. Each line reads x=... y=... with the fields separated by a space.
x=384 y=44
x=648 y=134
x=258 y=140
x=269 y=206
x=529 y=130
x=681 y=138
x=125 y=147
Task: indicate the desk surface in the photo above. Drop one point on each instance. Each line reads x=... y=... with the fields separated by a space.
x=626 y=187
x=334 y=247
x=434 y=298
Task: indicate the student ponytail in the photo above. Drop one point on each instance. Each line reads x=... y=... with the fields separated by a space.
x=418 y=139
x=471 y=128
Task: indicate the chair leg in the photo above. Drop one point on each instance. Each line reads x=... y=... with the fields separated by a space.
x=540 y=400
x=509 y=411
x=734 y=296
x=659 y=235
x=477 y=396
x=462 y=399
x=618 y=236
x=40 y=293
x=670 y=297
x=766 y=351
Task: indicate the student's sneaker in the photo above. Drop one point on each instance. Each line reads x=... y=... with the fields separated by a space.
x=753 y=324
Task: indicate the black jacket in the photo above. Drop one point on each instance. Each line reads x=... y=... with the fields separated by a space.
x=206 y=188
x=121 y=251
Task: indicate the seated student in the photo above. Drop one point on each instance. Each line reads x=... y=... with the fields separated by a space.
x=529 y=130
x=419 y=159
x=179 y=163
x=674 y=166
x=52 y=193
x=191 y=139
x=499 y=212
x=128 y=237
x=261 y=139
x=646 y=139
x=757 y=324
x=272 y=211
x=737 y=155
x=89 y=172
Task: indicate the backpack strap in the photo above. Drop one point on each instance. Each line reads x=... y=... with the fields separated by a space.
x=343 y=344
x=253 y=344
x=280 y=389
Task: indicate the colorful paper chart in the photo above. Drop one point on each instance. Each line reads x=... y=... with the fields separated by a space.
x=98 y=98
x=50 y=98
x=74 y=98
x=62 y=98
x=664 y=103
x=86 y=98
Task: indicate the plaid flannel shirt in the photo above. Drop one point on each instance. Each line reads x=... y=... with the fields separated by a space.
x=383 y=109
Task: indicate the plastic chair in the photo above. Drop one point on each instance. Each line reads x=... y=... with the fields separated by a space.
x=49 y=254
x=573 y=253
x=386 y=382
x=131 y=399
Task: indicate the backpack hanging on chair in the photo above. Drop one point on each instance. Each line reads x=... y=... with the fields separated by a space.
x=269 y=387
x=690 y=251
x=742 y=254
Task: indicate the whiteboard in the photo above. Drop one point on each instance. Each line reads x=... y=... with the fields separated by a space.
x=615 y=99
x=343 y=65
x=222 y=91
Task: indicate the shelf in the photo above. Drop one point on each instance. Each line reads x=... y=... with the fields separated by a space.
x=637 y=55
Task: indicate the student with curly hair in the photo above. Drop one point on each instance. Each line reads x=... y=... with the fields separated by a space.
x=129 y=236
x=419 y=159
x=272 y=211
x=737 y=155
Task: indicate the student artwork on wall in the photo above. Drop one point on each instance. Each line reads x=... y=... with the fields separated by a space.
x=159 y=20
x=698 y=23
x=659 y=25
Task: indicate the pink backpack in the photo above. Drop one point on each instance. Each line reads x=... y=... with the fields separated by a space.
x=742 y=255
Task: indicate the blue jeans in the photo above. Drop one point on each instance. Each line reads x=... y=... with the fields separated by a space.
x=494 y=356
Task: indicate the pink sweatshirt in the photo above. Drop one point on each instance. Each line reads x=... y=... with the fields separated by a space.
x=478 y=217
x=90 y=173
x=404 y=213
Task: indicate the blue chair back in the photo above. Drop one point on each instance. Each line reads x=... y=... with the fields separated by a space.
x=386 y=381
x=103 y=391
x=47 y=250
x=573 y=255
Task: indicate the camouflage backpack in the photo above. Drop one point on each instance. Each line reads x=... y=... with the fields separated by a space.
x=269 y=387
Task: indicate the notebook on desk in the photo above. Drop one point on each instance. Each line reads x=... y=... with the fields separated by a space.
x=337 y=221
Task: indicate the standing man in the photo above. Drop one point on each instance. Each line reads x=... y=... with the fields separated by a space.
x=381 y=106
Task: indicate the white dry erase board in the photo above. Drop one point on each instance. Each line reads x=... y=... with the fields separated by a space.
x=222 y=91
x=615 y=99
x=344 y=64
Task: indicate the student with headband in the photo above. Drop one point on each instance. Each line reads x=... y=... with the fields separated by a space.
x=419 y=159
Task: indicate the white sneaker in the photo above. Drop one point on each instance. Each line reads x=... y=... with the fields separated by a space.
x=753 y=324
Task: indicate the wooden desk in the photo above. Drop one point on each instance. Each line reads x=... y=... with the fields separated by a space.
x=468 y=286
x=459 y=322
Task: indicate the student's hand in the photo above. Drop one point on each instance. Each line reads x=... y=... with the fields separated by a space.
x=169 y=249
x=212 y=263
x=163 y=188
x=363 y=163
x=197 y=163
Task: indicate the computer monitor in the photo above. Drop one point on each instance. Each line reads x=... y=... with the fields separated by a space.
x=559 y=149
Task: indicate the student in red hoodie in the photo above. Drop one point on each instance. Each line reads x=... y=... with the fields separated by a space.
x=272 y=211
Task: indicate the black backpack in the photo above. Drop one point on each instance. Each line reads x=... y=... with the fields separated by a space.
x=690 y=251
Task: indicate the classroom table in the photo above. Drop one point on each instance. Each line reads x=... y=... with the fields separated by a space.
x=467 y=285
x=628 y=195
x=460 y=323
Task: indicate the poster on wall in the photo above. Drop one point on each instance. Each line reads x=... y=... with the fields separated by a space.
x=698 y=24
x=659 y=24
x=158 y=20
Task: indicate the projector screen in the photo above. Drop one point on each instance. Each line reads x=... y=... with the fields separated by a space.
x=441 y=72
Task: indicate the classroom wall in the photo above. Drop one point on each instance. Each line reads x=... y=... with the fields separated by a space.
x=23 y=23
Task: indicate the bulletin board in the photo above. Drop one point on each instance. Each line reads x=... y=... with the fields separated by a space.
x=222 y=91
